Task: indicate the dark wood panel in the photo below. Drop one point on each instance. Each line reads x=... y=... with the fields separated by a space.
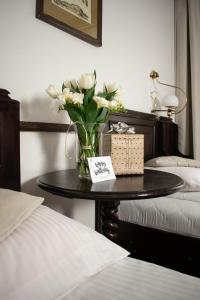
x=1 y=139
x=168 y=249
x=45 y=127
x=160 y=135
x=9 y=142
x=166 y=137
x=128 y=116
x=144 y=123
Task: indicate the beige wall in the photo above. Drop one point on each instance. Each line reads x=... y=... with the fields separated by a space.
x=138 y=36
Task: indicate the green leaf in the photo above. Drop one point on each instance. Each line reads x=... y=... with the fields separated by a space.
x=91 y=112
x=102 y=94
x=74 y=89
x=82 y=133
x=106 y=95
x=88 y=95
x=63 y=87
x=109 y=96
x=75 y=113
x=102 y=116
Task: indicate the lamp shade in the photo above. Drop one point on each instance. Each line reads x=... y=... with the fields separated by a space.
x=170 y=101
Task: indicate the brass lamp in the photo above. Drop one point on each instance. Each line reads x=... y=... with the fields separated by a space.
x=169 y=101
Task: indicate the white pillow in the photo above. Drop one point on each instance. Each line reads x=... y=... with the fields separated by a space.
x=190 y=176
x=15 y=207
x=49 y=254
x=172 y=161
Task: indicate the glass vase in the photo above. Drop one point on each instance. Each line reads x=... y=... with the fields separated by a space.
x=88 y=144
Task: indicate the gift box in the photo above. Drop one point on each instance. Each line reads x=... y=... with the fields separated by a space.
x=126 y=151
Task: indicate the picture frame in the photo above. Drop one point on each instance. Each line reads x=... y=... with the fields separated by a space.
x=80 y=18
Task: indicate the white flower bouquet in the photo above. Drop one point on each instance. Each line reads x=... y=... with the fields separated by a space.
x=88 y=110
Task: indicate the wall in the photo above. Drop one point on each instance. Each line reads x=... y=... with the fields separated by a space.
x=138 y=36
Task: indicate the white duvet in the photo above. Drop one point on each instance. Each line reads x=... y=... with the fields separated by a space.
x=179 y=213
x=132 y=279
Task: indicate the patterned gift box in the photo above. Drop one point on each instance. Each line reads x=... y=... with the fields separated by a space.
x=126 y=151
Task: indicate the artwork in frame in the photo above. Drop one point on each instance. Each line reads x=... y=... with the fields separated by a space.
x=81 y=18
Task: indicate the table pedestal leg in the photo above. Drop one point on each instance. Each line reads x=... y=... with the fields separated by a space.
x=106 y=218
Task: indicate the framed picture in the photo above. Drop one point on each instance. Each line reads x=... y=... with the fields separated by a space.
x=81 y=18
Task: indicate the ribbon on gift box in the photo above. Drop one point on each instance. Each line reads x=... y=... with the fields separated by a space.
x=121 y=127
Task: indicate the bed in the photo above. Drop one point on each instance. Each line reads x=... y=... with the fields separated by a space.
x=45 y=255
x=174 y=241
x=165 y=231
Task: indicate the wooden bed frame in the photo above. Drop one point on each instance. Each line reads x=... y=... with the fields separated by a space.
x=161 y=138
x=9 y=142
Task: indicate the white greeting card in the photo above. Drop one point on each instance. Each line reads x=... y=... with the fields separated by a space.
x=101 y=168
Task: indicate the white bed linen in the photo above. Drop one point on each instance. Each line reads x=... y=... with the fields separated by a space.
x=131 y=279
x=39 y=261
x=190 y=176
x=178 y=213
x=49 y=254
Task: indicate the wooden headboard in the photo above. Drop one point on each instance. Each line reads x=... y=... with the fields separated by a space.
x=160 y=136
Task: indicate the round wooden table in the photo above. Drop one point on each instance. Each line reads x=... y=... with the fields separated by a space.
x=108 y=194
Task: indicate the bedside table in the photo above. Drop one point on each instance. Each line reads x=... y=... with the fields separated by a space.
x=108 y=194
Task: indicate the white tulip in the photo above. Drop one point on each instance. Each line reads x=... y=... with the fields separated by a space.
x=61 y=97
x=86 y=81
x=74 y=83
x=53 y=91
x=113 y=87
x=68 y=84
x=113 y=104
x=116 y=105
x=101 y=102
x=66 y=91
x=77 y=98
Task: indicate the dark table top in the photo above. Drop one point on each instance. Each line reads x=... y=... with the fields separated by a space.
x=152 y=184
